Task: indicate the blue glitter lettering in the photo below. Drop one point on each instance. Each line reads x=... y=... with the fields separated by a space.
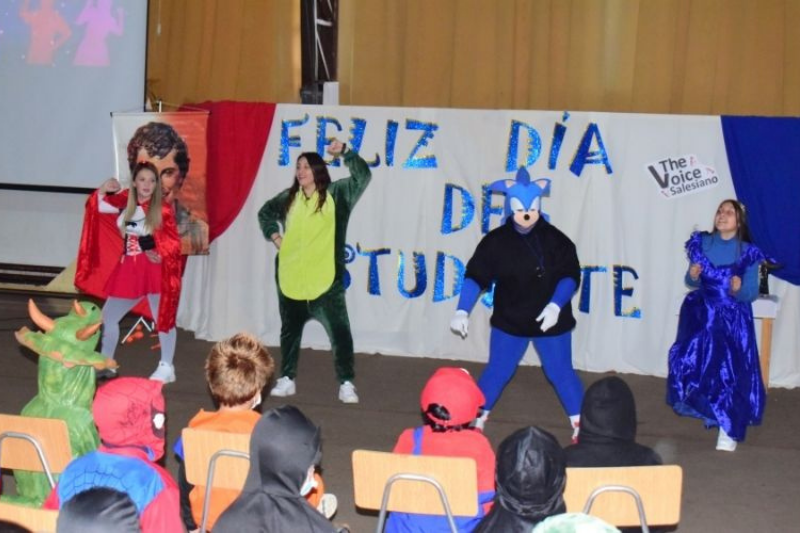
x=488 y=209
x=427 y=161
x=458 y=277
x=586 y=156
x=467 y=209
x=534 y=145
x=323 y=140
x=391 y=141
x=420 y=275
x=289 y=141
x=349 y=257
x=620 y=291
x=584 y=303
x=357 y=138
x=373 y=279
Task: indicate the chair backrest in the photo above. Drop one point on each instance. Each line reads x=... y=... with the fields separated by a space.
x=659 y=487
x=199 y=448
x=29 y=517
x=215 y=459
x=20 y=436
x=458 y=476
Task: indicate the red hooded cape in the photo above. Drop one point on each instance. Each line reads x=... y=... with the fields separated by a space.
x=100 y=248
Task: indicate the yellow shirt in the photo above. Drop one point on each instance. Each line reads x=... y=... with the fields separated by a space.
x=305 y=260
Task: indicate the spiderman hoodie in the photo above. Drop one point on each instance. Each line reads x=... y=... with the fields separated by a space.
x=130 y=416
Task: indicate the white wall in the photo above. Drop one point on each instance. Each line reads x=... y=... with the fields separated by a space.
x=40 y=228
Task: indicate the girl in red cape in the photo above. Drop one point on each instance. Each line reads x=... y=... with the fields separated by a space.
x=149 y=265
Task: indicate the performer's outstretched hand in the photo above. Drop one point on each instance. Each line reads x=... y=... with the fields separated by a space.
x=549 y=316
x=110 y=186
x=459 y=324
x=336 y=147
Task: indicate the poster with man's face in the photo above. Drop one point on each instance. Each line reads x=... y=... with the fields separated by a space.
x=176 y=144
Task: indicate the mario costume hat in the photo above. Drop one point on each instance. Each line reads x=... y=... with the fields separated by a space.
x=455 y=393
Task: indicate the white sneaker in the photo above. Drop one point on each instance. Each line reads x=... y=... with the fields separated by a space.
x=328 y=505
x=576 y=430
x=347 y=392
x=724 y=442
x=284 y=387
x=480 y=422
x=164 y=372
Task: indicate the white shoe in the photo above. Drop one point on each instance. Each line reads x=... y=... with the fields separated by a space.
x=164 y=372
x=328 y=505
x=347 y=392
x=576 y=431
x=480 y=422
x=724 y=442
x=284 y=387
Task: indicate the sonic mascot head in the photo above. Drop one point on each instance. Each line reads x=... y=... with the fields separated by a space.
x=523 y=198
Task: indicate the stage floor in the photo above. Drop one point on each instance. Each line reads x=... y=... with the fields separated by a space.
x=755 y=488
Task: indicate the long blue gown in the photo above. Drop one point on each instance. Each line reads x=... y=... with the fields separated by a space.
x=714 y=371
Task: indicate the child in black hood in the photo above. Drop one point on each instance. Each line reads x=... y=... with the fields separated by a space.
x=531 y=476
x=284 y=449
x=608 y=429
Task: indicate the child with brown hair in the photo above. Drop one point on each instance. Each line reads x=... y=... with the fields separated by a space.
x=237 y=370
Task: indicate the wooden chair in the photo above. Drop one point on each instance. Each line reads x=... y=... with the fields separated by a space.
x=419 y=484
x=34 y=444
x=29 y=517
x=627 y=495
x=215 y=459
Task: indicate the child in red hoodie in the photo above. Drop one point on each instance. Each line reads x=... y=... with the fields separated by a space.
x=450 y=402
x=130 y=418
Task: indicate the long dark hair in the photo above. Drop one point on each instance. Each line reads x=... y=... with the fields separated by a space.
x=742 y=229
x=321 y=180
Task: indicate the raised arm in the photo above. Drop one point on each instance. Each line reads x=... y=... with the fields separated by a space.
x=360 y=174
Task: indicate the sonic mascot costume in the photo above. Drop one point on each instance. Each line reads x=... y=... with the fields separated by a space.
x=535 y=270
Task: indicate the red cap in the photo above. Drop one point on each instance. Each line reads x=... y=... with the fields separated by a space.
x=454 y=389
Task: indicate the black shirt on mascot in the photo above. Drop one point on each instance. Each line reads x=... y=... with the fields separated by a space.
x=526 y=269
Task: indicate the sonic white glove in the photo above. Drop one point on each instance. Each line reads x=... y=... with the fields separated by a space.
x=459 y=324
x=549 y=316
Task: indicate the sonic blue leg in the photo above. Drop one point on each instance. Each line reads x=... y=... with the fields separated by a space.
x=505 y=353
x=556 y=356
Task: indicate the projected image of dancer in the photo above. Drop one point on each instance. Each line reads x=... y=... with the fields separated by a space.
x=714 y=371
x=99 y=21
x=314 y=213
x=49 y=31
x=159 y=144
x=150 y=266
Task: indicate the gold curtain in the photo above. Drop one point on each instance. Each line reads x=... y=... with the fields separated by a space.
x=650 y=56
x=246 y=50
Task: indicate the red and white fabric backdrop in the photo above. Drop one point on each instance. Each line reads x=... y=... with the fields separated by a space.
x=628 y=189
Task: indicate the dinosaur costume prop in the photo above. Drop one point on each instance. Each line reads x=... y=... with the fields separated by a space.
x=66 y=383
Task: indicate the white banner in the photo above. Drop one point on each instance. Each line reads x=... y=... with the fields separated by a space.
x=627 y=189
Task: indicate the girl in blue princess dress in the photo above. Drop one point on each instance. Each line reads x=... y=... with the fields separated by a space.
x=714 y=371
